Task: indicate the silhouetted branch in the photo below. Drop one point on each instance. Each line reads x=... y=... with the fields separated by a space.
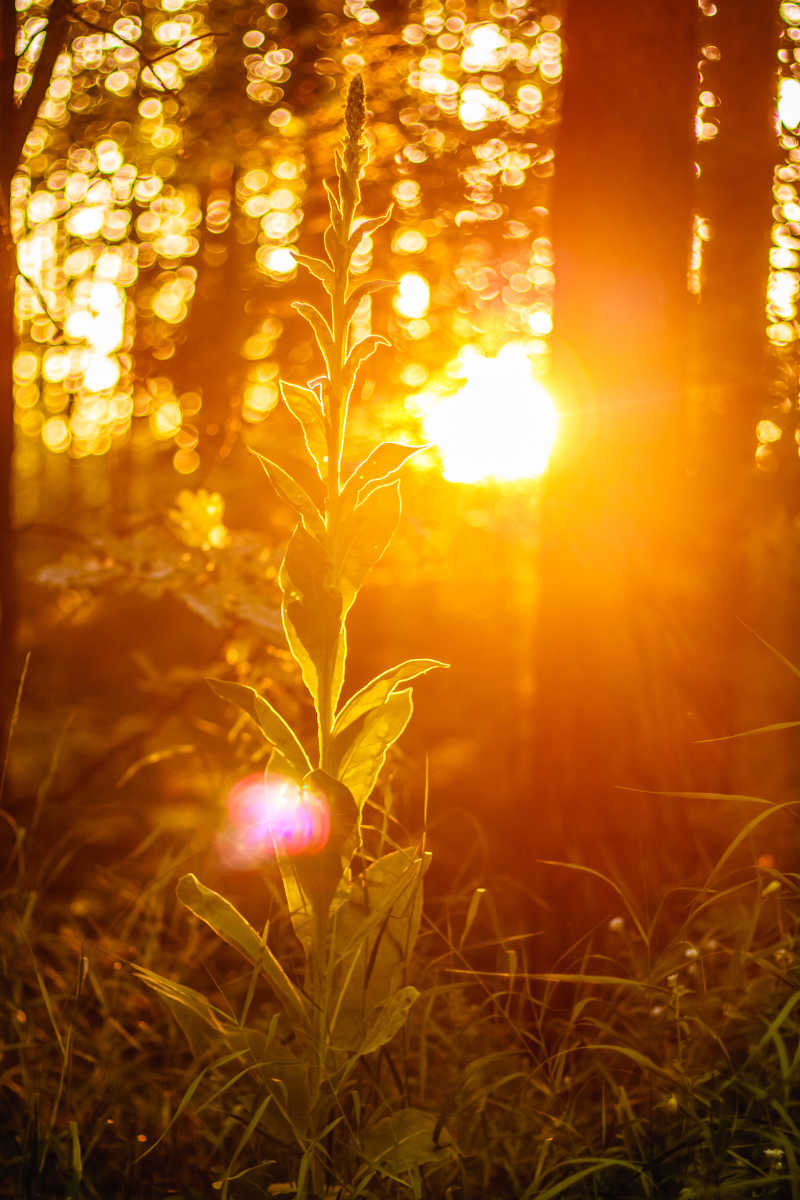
x=23 y=114
x=33 y=285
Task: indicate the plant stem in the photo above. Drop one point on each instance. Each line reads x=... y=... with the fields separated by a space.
x=335 y=402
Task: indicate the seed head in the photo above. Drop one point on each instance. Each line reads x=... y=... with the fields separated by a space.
x=354 y=117
x=355 y=112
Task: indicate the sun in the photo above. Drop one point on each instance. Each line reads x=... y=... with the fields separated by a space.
x=501 y=424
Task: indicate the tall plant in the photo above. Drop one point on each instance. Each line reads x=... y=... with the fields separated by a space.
x=356 y=933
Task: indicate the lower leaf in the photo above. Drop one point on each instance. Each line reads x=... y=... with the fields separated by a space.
x=405 y=1139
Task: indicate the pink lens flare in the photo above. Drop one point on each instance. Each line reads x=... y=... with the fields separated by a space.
x=269 y=815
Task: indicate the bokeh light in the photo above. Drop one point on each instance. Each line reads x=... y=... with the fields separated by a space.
x=789 y=102
x=269 y=815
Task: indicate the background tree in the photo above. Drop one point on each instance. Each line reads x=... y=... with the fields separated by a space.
x=734 y=374
x=19 y=113
x=739 y=77
x=610 y=636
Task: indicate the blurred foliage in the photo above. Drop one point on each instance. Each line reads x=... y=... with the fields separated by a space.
x=178 y=156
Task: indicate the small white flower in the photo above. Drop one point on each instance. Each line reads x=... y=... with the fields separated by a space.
x=616 y=924
x=691 y=952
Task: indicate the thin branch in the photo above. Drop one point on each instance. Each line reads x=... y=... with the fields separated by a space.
x=200 y=37
x=34 y=286
x=98 y=28
x=24 y=114
x=147 y=61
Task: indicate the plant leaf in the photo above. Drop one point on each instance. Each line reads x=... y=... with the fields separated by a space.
x=358 y=355
x=301 y=913
x=320 y=328
x=378 y=468
x=382 y=686
x=333 y=205
x=389 y=1019
x=362 y=761
x=363 y=290
x=313 y=614
x=279 y=765
x=294 y=494
x=318 y=267
x=228 y=923
x=268 y=719
x=372 y=935
x=185 y=1001
x=320 y=874
x=305 y=408
x=367 y=227
x=365 y=537
x=405 y=1139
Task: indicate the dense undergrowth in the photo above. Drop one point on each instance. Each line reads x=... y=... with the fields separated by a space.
x=653 y=1060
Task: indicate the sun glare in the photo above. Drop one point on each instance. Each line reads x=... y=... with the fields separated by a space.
x=501 y=424
x=789 y=103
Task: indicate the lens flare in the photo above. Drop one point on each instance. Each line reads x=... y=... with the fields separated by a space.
x=269 y=815
x=501 y=424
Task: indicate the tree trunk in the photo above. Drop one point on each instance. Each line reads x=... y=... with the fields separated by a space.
x=8 y=592
x=17 y=121
x=733 y=381
x=612 y=585
x=736 y=199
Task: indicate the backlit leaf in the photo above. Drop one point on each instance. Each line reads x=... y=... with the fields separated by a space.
x=373 y=933
x=320 y=328
x=229 y=924
x=184 y=1001
x=305 y=408
x=320 y=874
x=294 y=494
x=358 y=355
x=366 y=535
x=268 y=719
x=312 y=614
x=382 y=686
x=365 y=289
x=301 y=914
x=318 y=268
x=368 y=226
x=333 y=204
x=362 y=761
x=378 y=467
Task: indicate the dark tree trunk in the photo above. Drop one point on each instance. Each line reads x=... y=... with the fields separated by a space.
x=16 y=124
x=610 y=630
x=736 y=199
x=733 y=383
x=8 y=591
